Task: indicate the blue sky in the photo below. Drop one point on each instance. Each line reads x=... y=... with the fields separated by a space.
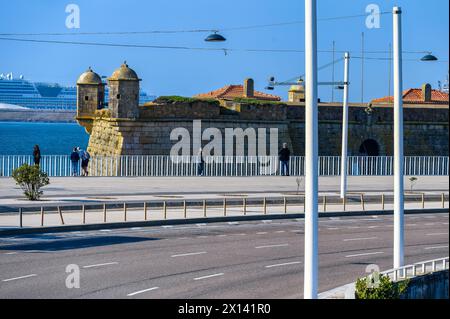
x=172 y=72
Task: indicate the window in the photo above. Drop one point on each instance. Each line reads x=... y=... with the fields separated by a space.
x=118 y=96
x=86 y=98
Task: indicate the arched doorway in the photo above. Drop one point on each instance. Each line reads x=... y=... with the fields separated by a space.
x=369 y=148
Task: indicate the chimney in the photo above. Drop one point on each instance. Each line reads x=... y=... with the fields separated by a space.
x=426 y=92
x=249 y=88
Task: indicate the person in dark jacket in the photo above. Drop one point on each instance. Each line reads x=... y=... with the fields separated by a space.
x=74 y=159
x=284 y=155
x=201 y=163
x=37 y=155
x=85 y=157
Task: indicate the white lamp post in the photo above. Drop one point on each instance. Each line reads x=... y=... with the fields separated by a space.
x=311 y=269
x=398 y=142
x=345 y=127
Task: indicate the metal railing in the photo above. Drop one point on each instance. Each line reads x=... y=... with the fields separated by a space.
x=154 y=165
x=418 y=269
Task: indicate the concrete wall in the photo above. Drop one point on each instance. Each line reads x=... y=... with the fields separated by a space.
x=432 y=286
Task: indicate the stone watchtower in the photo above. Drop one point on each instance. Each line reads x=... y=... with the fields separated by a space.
x=90 y=93
x=124 y=93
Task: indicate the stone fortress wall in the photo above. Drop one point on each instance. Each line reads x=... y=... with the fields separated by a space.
x=130 y=129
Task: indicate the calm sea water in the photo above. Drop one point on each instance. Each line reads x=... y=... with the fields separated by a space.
x=19 y=138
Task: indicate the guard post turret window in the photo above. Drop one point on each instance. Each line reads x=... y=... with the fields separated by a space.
x=86 y=98
x=118 y=96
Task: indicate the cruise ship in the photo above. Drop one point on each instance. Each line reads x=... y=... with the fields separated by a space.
x=47 y=96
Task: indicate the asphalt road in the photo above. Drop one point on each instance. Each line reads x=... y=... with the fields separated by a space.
x=230 y=260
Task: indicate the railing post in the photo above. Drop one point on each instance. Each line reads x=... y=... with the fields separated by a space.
x=83 y=211
x=324 y=203
x=285 y=205
x=304 y=204
x=433 y=266
x=362 y=203
x=165 y=209
x=244 y=206
x=423 y=200
x=443 y=200
x=424 y=268
x=145 y=210
x=382 y=202
x=42 y=216
x=204 y=208
x=265 y=206
x=20 y=217
x=344 y=202
x=224 y=207
x=61 y=215
x=184 y=209
x=125 y=211
x=104 y=212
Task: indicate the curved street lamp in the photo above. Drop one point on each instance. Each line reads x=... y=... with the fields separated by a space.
x=429 y=58
x=215 y=37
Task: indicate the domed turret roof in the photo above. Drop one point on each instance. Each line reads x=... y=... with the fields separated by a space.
x=89 y=77
x=124 y=73
x=300 y=87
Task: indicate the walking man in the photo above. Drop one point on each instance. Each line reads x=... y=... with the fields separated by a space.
x=284 y=155
x=85 y=157
x=74 y=159
x=201 y=163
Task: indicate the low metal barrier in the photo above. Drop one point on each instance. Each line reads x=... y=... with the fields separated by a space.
x=149 y=166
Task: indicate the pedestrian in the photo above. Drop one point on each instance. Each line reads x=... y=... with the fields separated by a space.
x=201 y=163
x=74 y=159
x=284 y=155
x=37 y=155
x=85 y=157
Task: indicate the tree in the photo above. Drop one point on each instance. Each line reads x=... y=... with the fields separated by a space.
x=31 y=179
x=413 y=181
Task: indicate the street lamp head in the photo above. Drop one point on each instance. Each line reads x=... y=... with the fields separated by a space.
x=339 y=87
x=270 y=88
x=215 y=37
x=429 y=58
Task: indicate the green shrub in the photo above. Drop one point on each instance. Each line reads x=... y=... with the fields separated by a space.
x=384 y=289
x=174 y=99
x=31 y=179
x=256 y=101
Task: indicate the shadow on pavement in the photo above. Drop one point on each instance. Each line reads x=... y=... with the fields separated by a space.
x=61 y=244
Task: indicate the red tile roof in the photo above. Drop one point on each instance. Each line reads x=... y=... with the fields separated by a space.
x=230 y=92
x=415 y=96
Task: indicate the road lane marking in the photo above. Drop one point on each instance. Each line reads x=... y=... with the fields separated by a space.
x=12 y=253
x=285 y=264
x=436 y=247
x=189 y=254
x=356 y=239
x=21 y=277
x=141 y=291
x=202 y=236
x=272 y=246
x=333 y=228
x=365 y=254
x=209 y=276
x=437 y=234
x=105 y=230
x=262 y=233
x=135 y=228
x=100 y=265
x=280 y=231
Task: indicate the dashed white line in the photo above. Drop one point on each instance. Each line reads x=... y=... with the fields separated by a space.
x=21 y=277
x=189 y=254
x=437 y=234
x=333 y=228
x=365 y=254
x=280 y=231
x=285 y=264
x=357 y=239
x=209 y=276
x=100 y=265
x=272 y=246
x=105 y=230
x=262 y=233
x=142 y=291
x=436 y=247
x=12 y=253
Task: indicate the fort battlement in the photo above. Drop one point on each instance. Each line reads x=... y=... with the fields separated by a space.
x=126 y=128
